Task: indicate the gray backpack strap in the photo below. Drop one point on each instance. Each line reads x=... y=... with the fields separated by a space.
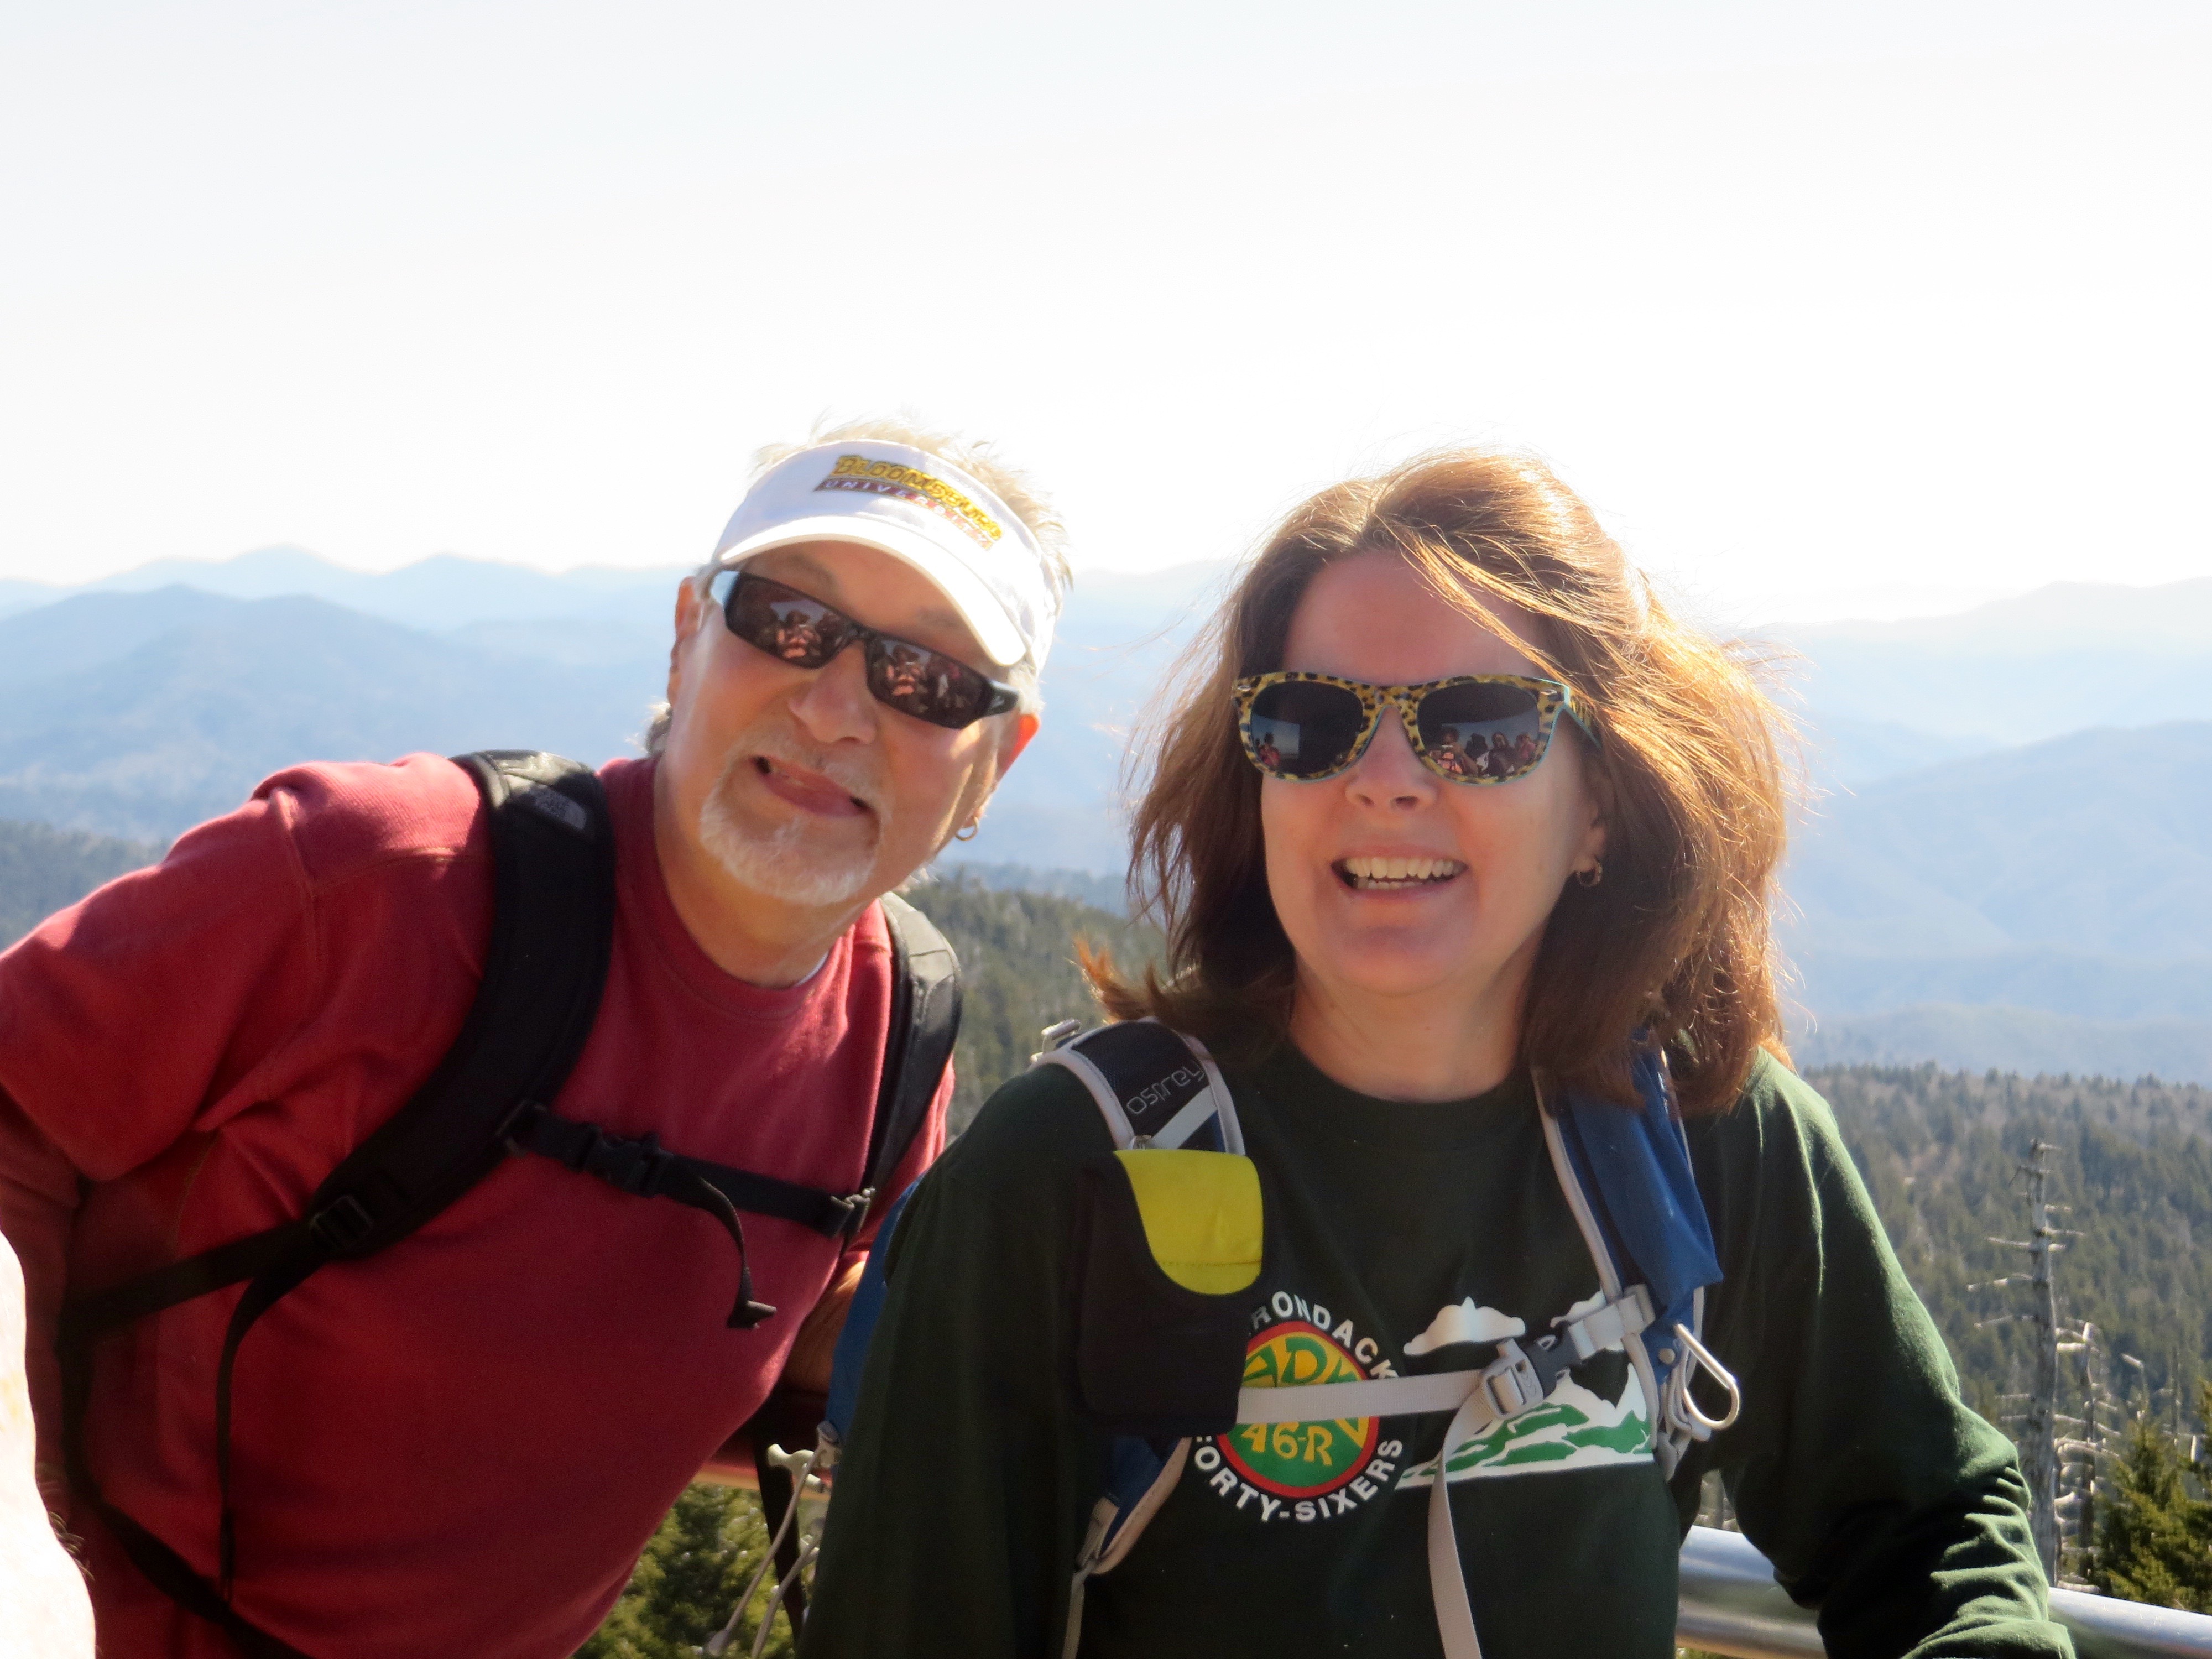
x=1155 y=1087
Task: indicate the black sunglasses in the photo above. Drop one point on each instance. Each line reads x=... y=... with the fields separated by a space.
x=792 y=628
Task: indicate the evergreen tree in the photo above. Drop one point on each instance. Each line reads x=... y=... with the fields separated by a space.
x=1018 y=963
x=689 y=1578
x=2153 y=1538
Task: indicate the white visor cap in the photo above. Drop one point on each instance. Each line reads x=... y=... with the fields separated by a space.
x=918 y=507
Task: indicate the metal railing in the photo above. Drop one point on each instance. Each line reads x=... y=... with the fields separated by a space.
x=1731 y=1605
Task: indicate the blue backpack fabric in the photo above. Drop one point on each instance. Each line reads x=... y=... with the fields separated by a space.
x=1634 y=1168
x=859 y=1329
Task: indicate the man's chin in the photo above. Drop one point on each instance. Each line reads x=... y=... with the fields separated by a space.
x=797 y=861
x=811 y=886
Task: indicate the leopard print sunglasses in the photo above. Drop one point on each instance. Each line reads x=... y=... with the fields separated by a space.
x=1471 y=728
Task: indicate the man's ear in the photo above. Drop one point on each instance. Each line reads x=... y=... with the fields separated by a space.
x=690 y=603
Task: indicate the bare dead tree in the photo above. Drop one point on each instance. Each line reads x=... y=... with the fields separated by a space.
x=2039 y=1435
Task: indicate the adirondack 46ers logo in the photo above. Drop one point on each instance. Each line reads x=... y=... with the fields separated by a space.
x=1301 y=1470
x=1300 y=1460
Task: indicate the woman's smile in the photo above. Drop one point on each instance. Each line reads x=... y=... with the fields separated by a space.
x=1414 y=873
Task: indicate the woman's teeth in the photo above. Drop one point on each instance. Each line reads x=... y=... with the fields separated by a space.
x=1372 y=875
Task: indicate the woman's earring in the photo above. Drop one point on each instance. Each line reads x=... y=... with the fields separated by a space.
x=966 y=831
x=1595 y=874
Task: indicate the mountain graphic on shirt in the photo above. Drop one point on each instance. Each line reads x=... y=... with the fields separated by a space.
x=1468 y=1322
x=1573 y=1429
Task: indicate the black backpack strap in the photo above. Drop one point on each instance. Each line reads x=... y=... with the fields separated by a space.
x=552 y=928
x=642 y=1165
x=1154 y=1086
x=924 y=1025
x=924 y=1022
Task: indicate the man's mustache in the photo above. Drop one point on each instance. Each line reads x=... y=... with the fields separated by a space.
x=857 y=778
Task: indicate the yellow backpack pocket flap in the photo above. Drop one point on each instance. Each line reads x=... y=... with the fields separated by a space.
x=1201 y=1215
x=1166 y=1243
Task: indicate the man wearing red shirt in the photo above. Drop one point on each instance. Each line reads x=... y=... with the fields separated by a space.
x=459 y=1445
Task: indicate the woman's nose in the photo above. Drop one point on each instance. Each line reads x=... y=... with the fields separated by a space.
x=1389 y=776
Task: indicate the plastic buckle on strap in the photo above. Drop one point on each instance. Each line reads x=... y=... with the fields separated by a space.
x=1511 y=1380
x=515 y=1129
x=1608 y=1324
x=1551 y=1358
x=631 y=1166
x=856 y=1211
x=1057 y=1035
x=341 y=1224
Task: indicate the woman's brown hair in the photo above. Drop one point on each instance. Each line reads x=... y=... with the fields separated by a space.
x=1674 y=940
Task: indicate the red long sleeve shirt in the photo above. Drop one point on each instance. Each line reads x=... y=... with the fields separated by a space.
x=458 y=1446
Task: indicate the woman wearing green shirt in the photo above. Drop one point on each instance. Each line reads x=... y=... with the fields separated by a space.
x=1449 y=809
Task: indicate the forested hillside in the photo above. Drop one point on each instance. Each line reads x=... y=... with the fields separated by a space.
x=1018 y=960
x=1940 y=1152
x=42 y=869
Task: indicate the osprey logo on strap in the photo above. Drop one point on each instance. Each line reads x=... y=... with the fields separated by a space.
x=1155 y=1087
x=1171 y=1090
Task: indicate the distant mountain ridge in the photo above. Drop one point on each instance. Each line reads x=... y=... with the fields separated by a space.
x=2029 y=1041
x=2011 y=848
x=441 y=591
x=2067 y=657
x=184 y=720
x=2041 y=908
x=2100 y=840
x=2169 y=617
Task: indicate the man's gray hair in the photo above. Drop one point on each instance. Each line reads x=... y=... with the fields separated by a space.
x=980 y=460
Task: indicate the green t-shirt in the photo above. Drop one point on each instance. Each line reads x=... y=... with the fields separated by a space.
x=1402 y=1238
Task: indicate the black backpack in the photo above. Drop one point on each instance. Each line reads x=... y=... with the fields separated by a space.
x=489 y=1099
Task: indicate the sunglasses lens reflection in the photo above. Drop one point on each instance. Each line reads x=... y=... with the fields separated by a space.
x=787 y=625
x=925 y=683
x=1483 y=733
x=1305 y=729
x=807 y=634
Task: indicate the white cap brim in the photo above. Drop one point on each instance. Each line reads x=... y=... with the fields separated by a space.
x=923 y=511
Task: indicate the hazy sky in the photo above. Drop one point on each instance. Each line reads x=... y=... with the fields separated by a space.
x=1828 y=309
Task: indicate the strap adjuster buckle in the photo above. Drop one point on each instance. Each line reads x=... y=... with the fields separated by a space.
x=341 y=1224
x=856 y=1211
x=515 y=1129
x=1607 y=1325
x=1511 y=1380
x=634 y=1166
